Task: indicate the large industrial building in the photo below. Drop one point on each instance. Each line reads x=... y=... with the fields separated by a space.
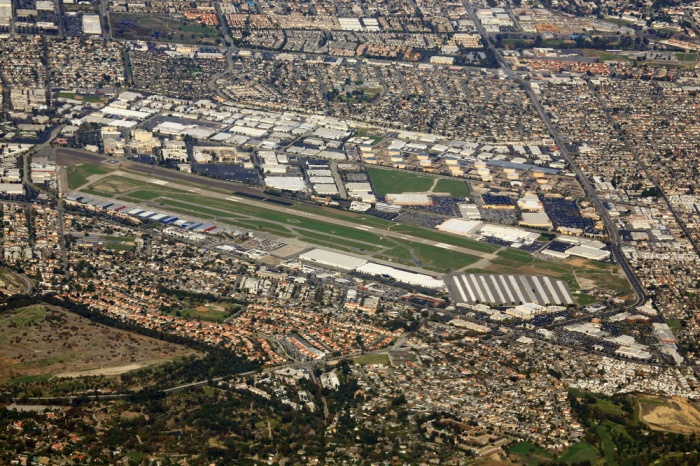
x=419 y=199
x=346 y=262
x=336 y=260
x=507 y=290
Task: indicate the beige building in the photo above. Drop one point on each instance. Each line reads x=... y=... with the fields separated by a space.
x=143 y=142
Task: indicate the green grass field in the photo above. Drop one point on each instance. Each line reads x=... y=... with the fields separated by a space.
x=687 y=56
x=367 y=359
x=532 y=454
x=579 y=453
x=83 y=98
x=456 y=188
x=607 y=56
x=363 y=132
x=145 y=195
x=395 y=182
x=441 y=237
x=439 y=259
x=145 y=27
x=608 y=407
x=584 y=299
x=675 y=324
x=517 y=43
x=618 y=21
x=118 y=243
x=78 y=174
x=608 y=446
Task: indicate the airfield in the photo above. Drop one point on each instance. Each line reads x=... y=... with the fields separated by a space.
x=302 y=226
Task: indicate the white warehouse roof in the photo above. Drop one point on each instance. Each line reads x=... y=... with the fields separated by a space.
x=403 y=276
x=332 y=259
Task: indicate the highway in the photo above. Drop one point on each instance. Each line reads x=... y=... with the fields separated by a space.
x=614 y=235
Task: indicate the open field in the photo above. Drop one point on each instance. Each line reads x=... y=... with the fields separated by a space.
x=578 y=273
x=364 y=132
x=40 y=341
x=150 y=27
x=530 y=453
x=441 y=259
x=84 y=98
x=380 y=358
x=618 y=21
x=212 y=312
x=394 y=182
x=452 y=187
x=604 y=56
x=579 y=453
x=674 y=414
x=675 y=324
x=119 y=184
x=78 y=174
x=118 y=243
x=109 y=371
x=686 y=56
x=608 y=445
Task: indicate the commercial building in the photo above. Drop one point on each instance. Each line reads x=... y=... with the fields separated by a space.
x=459 y=227
x=536 y=220
x=663 y=333
x=409 y=199
x=403 y=276
x=351 y=263
x=507 y=290
x=332 y=259
x=91 y=24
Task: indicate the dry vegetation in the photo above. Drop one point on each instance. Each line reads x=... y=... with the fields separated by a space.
x=44 y=340
x=674 y=414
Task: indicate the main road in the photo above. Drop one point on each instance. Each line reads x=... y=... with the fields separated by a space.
x=614 y=235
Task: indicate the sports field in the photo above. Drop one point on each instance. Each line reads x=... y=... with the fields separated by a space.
x=394 y=182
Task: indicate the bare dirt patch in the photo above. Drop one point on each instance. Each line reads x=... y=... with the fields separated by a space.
x=108 y=371
x=44 y=340
x=131 y=415
x=673 y=414
x=523 y=270
x=10 y=282
x=577 y=262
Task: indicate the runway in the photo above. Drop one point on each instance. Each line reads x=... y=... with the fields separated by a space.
x=252 y=197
